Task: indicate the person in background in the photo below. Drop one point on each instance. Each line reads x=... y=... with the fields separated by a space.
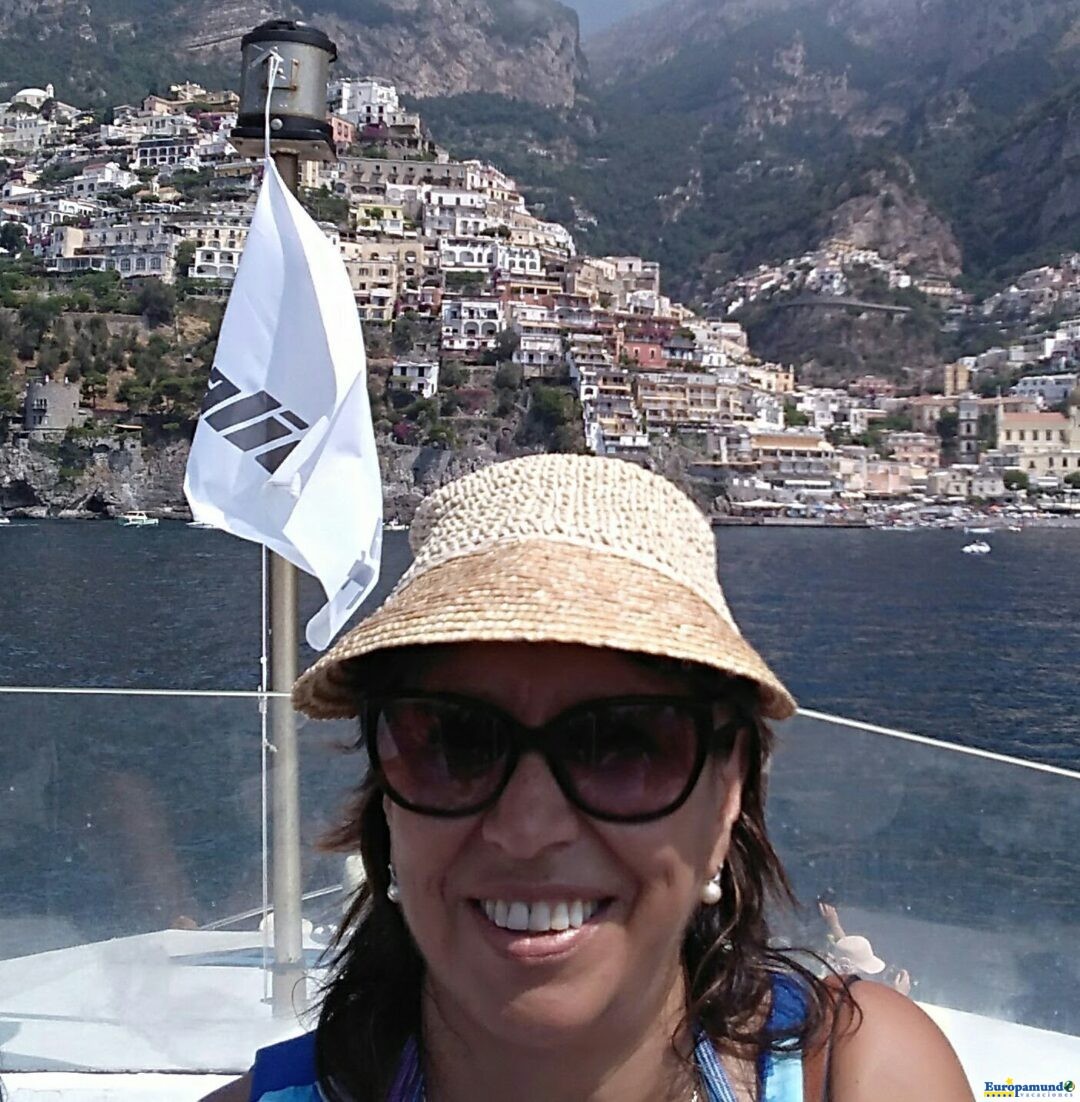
x=852 y=954
x=563 y=828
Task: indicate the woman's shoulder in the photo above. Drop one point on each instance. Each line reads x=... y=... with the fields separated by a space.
x=889 y=1049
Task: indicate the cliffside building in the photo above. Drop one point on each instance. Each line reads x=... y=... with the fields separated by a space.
x=418 y=377
x=52 y=406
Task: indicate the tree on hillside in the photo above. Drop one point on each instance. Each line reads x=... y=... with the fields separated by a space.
x=794 y=417
x=554 y=419
x=1016 y=480
x=135 y=395
x=324 y=206
x=36 y=316
x=948 y=427
x=156 y=301
x=9 y=399
x=94 y=386
x=185 y=257
x=507 y=342
x=509 y=376
x=1073 y=480
x=406 y=333
x=12 y=238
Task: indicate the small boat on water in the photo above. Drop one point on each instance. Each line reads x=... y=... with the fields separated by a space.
x=136 y=519
x=977 y=531
x=5 y=520
x=395 y=526
x=199 y=524
x=979 y=547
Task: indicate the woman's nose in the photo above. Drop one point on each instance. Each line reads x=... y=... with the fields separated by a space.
x=532 y=814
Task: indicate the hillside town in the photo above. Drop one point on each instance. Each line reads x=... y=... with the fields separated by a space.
x=155 y=191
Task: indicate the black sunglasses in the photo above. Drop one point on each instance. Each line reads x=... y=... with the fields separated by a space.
x=623 y=759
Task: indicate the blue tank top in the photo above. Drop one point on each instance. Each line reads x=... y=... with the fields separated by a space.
x=286 y=1072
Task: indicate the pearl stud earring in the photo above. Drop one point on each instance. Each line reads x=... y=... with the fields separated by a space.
x=712 y=891
x=393 y=889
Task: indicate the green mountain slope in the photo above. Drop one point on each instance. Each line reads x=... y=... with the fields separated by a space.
x=115 y=50
x=723 y=133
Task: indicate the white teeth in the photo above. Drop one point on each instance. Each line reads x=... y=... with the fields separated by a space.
x=539 y=918
x=518 y=917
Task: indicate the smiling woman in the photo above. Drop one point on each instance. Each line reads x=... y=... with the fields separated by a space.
x=563 y=828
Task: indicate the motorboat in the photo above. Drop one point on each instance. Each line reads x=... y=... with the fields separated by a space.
x=137 y=519
x=977 y=531
x=5 y=520
x=199 y=524
x=979 y=547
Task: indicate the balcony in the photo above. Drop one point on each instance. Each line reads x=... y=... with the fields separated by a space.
x=134 y=865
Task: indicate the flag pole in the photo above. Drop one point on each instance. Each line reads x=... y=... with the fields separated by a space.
x=289 y=987
x=286 y=119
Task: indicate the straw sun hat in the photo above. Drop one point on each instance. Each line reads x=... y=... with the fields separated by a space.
x=554 y=548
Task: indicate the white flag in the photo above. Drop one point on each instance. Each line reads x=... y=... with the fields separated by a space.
x=284 y=452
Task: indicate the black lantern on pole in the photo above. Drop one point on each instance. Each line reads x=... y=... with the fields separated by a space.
x=298 y=123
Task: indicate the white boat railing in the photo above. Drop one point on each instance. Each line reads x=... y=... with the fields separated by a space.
x=132 y=865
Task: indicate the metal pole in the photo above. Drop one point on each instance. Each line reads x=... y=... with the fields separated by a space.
x=289 y=988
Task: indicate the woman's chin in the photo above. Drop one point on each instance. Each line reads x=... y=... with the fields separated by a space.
x=540 y=1019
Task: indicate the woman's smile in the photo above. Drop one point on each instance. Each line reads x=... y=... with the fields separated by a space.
x=540 y=931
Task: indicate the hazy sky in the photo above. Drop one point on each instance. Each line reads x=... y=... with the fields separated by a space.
x=596 y=14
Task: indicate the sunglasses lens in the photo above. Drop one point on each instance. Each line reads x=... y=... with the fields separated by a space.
x=439 y=756
x=630 y=760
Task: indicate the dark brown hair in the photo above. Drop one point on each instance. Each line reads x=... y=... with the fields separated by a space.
x=371 y=1001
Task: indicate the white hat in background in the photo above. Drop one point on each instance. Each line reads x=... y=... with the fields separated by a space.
x=857 y=952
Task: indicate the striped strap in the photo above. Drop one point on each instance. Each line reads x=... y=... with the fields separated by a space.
x=713 y=1076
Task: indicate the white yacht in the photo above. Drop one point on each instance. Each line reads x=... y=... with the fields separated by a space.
x=979 y=547
x=137 y=519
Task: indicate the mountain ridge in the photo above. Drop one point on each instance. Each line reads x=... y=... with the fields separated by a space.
x=762 y=118
x=522 y=49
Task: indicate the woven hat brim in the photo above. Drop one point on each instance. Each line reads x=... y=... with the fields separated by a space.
x=538 y=591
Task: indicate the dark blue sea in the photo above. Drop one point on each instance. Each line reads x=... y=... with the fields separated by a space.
x=893 y=628
x=126 y=814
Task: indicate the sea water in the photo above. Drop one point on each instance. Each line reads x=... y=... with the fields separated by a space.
x=122 y=814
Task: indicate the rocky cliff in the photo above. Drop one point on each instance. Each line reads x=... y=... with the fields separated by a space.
x=950 y=40
x=523 y=49
x=105 y=478
x=115 y=50
x=721 y=134
x=896 y=222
